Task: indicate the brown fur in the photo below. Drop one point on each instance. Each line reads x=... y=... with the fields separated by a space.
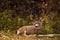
x=30 y=30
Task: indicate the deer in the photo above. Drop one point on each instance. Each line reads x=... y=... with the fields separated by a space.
x=36 y=29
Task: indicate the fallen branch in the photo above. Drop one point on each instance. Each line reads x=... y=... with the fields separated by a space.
x=49 y=35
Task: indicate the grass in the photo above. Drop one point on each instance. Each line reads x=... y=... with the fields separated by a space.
x=8 y=36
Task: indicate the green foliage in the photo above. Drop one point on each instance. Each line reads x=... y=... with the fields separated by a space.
x=52 y=23
x=15 y=14
x=56 y=27
x=7 y=22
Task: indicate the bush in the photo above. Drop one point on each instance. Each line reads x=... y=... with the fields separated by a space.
x=7 y=22
x=52 y=23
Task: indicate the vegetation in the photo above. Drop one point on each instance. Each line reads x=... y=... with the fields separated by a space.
x=17 y=13
x=9 y=36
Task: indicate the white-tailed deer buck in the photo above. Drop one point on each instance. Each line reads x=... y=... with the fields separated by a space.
x=31 y=30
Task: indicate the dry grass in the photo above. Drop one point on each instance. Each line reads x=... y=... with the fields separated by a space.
x=7 y=36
